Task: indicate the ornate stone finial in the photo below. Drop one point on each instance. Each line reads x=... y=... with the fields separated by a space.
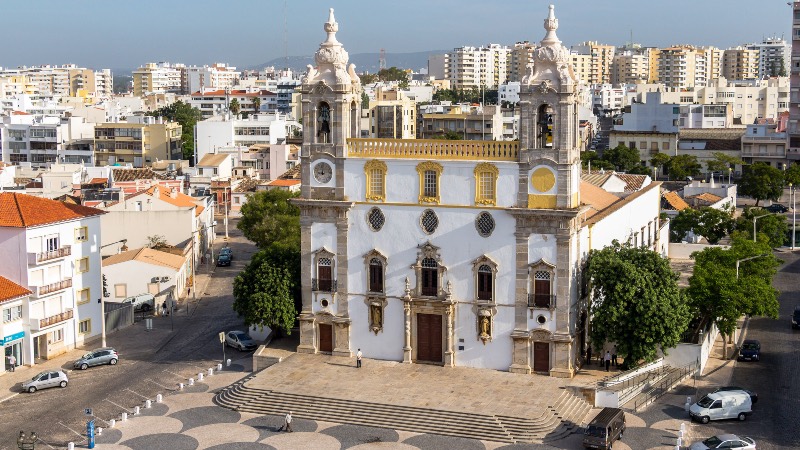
x=331 y=27
x=408 y=287
x=551 y=25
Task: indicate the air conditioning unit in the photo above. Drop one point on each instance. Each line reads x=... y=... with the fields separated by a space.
x=154 y=280
x=164 y=279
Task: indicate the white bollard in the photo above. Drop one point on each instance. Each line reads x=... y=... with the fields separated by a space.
x=112 y=423
x=191 y=381
x=219 y=367
x=148 y=404
x=210 y=372
x=99 y=431
x=678 y=443
x=200 y=376
x=683 y=427
x=687 y=406
x=180 y=386
x=228 y=362
x=136 y=410
x=124 y=416
x=70 y=446
x=159 y=398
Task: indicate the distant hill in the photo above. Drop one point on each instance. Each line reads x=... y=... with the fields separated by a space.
x=368 y=62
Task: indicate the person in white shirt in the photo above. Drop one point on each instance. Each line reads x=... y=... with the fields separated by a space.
x=287 y=423
x=358 y=359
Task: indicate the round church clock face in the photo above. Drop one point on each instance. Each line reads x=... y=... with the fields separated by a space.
x=323 y=172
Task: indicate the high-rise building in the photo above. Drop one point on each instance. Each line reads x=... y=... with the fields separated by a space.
x=774 y=57
x=631 y=65
x=212 y=78
x=740 y=63
x=793 y=153
x=521 y=57
x=602 y=56
x=475 y=67
x=158 y=78
x=67 y=81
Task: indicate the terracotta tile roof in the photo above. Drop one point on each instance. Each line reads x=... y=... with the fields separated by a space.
x=146 y=255
x=136 y=174
x=247 y=185
x=97 y=181
x=283 y=183
x=704 y=199
x=291 y=174
x=711 y=133
x=10 y=290
x=596 y=178
x=213 y=159
x=672 y=201
x=19 y=113
x=706 y=196
x=596 y=198
x=22 y=211
x=632 y=182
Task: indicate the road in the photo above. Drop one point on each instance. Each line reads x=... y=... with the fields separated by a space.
x=150 y=363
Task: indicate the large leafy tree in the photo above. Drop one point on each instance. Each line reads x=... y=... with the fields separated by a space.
x=269 y=219
x=761 y=182
x=772 y=226
x=636 y=302
x=792 y=175
x=711 y=223
x=682 y=166
x=623 y=159
x=590 y=159
x=660 y=160
x=717 y=295
x=187 y=116
x=721 y=162
x=263 y=295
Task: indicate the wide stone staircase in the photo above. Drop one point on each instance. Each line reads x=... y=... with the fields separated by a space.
x=559 y=420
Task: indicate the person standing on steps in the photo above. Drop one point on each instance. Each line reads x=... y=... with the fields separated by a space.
x=607 y=360
x=287 y=423
x=358 y=359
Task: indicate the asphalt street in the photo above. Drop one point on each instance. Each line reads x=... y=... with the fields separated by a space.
x=150 y=363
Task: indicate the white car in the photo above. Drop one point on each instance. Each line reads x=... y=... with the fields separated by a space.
x=725 y=441
x=44 y=380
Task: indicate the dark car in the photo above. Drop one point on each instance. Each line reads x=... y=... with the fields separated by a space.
x=776 y=208
x=796 y=317
x=750 y=351
x=226 y=251
x=224 y=260
x=753 y=395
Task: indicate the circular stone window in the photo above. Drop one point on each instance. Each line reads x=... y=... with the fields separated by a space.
x=484 y=223
x=325 y=303
x=541 y=319
x=429 y=221
x=376 y=219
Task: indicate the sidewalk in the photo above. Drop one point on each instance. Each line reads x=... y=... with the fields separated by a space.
x=718 y=371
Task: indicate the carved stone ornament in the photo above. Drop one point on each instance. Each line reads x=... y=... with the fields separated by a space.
x=551 y=61
x=484 y=325
x=376 y=315
x=331 y=60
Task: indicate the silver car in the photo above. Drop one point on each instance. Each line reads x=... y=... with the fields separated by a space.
x=240 y=340
x=105 y=355
x=725 y=441
x=44 y=380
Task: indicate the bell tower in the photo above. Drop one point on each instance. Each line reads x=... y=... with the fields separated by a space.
x=548 y=135
x=331 y=104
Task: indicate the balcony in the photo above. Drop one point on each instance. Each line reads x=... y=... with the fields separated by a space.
x=47 y=289
x=43 y=257
x=541 y=301
x=320 y=285
x=39 y=324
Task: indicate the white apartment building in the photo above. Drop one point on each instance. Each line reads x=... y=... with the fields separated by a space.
x=392 y=115
x=41 y=140
x=158 y=78
x=631 y=66
x=765 y=142
x=508 y=92
x=224 y=131
x=475 y=67
x=685 y=66
x=706 y=116
x=67 y=81
x=608 y=98
x=600 y=59
x=53 y=250
x=774 y=57
x=214 y=102
x=756 y=99
x=218 y=76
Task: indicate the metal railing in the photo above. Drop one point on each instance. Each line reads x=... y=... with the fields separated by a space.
x=321 y=285
x=663 y=386
x=541 y=301
x=54 y=319
x=54 y=287
x=54 y=254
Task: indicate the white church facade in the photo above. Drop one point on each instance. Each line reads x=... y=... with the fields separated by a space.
x=467 y=253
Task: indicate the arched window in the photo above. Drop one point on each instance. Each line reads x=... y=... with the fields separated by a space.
x=485 y=275
x=324 y=123
x=376 y=180
x=375 y=275
x=545 y=126
x=430 y=277
x=486 y=184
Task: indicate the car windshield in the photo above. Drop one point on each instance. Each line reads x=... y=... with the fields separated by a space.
x=86 y=356
x=36 y=377
x=705 y=402
x=712 y=442
x=596 y=431
x=243 y=336
x=749 y=346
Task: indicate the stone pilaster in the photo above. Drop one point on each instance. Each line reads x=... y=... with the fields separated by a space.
x=341 y=338
x=449 y=354
x=521 y=282
x=308 y=341
x=521 y=358
x=407 y=325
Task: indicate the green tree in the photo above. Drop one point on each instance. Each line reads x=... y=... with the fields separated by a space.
x=234 y=107
x=682 y=166
x=792 y=175
x=185 y=115
x=711 y=223
x=761 y=182
x=449 y=135
x=717 y=295
x=256 y=104
x=269 y=219
x=364 y=100
x=622 y=158
x=721 y=162
x=368 y=78
x=660 y=160
x=590 y=159
x=262 y=296
x=636 y=302
x=773 y=226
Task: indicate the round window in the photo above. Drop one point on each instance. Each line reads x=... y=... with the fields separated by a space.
x=429 y=221
x=376 y=219
x=324 y=303
x=484 y=223
x=541 y=319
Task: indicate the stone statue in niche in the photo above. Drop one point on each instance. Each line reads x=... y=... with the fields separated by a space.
x=485 y=326
x=376 y=317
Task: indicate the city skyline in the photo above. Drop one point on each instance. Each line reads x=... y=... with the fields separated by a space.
x=169 y=31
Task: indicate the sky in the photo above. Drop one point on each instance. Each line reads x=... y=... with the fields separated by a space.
x=124 y=34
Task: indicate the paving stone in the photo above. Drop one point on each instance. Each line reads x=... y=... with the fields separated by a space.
x=242 y=446
x=435 y=442
x=205 y=415
x=353 y=435
x=171 y=441
x=109 y=436
x=156 y=409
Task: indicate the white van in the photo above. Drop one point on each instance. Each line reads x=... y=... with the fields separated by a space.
x=722 y=405
x=141 y=302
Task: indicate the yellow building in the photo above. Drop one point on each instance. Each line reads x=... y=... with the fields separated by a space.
x=139 y=143
x=392 y=115
x=601 y=56
x=740 y=63
x=158 y=78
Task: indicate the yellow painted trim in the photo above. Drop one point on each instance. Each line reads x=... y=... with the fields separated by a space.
x=539 y=201
x=433 y=149
x=369 y=167
x=481 y=169
x=477 y=207
x=421 y=169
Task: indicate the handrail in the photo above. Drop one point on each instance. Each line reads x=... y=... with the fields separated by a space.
x=665 y=385
x=433 y=149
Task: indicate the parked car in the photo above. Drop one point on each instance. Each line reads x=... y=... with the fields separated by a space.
x=224 y=260
x=240 y=340
x=606 y=427
x=776 y=208
x=753 y=395
x=44 y=380
x=226 y=251
x=722 y=405
x=725 y=441
x=105 y=355
x=141 y=302
x=796 y=317
x=750 y=351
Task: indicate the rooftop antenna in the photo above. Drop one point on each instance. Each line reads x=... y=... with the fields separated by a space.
x=382 y=60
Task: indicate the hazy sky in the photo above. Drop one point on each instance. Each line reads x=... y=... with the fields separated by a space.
x=127 y=33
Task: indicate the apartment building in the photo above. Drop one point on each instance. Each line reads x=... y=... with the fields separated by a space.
x=521 y=57
x=748 y=100
x=215 y=77
x=740 y=63
x=774 y=57
x=158 y=78
x=601 y=57
x=793 y=152
x=631 y=65
x=392 y=115
x=43 y=139
x=52 y=267
x=211 y=102
x=225 y=131
x=582 y=64
x=67 y=81
x=765 y=141
x=140 y=141
x=475 y=67
x=472 y=123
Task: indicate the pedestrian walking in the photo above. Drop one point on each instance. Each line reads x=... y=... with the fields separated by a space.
x=607 y=360
x=358 y=359
x=588 y=355
x=12 y=362
x=164 y=308
x=614 y=356
x=287 y=423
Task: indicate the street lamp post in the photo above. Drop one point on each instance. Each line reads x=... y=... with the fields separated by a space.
x=793 y=199
x=746 y=259
x=754 y=223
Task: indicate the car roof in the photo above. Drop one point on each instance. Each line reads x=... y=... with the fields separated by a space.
x=751 y=341
x=103 y=348
x=727 y=437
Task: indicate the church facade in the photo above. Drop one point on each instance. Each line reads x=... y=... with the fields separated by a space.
x=464 y=253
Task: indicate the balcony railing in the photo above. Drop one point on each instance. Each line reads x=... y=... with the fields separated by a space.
x=53 y=287
x=55 y=319
x=541 y=301
x=433 y=149
x=38 y=258
x=320 y=285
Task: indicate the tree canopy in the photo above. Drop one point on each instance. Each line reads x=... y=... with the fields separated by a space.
x=792 y=175
x=187 y=116
x=660 y=159
x=268 y=219
x=623 y=159
x=721 y=162
x=682 y=166
x=717 y=295
x=773 y=226
x=474 y=95
x=636 y=302
x=263 y=295
x=761 y=182
x=390 y=74
x=711 y=223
